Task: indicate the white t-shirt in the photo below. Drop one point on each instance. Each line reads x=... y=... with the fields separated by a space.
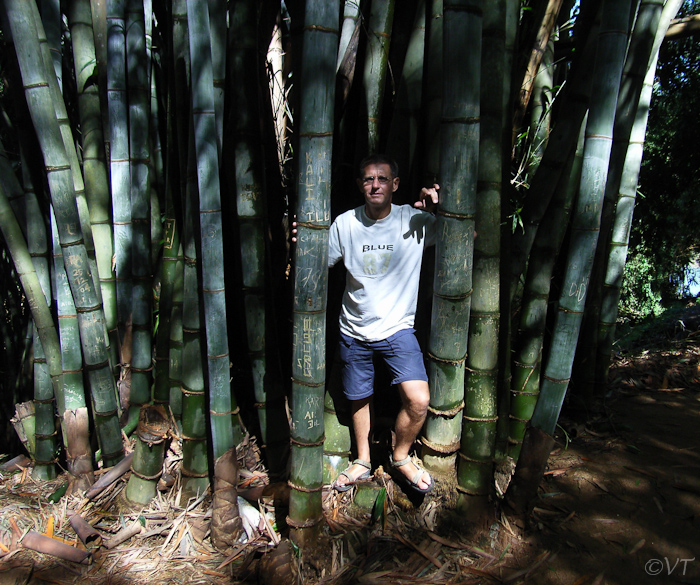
x=383 y=259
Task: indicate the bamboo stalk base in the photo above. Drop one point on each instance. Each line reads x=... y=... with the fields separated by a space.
x=439 y=462
x=475 y=509
x=522 y=489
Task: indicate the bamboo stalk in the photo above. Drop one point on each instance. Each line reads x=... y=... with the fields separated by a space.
x=138 y=97
x=225 y=426
x=147 y=465
x=475 y=469
x=311 y=269
x=381 y=20
x=452 y=287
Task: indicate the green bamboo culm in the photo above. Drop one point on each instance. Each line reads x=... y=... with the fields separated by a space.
x=653 y=19
x=217 y=39
x=51 y=20
x=58 y=168
x=475 y=468
x=46 y=398
x=320 y=43
x=587 y=368
x=527 y=360
x=195 y=468
x=250 y=201
x=178 y=182
x=454 y=251
x=138 y=92
x=561 y=143
x=119 y=167
x=351 y=19
x=433 y=89
x=402 y=140
x=147 y=465
x=171 y=276
x=586 y=218
x=72 y=406
x=47 y=372
x=225 y=426
x=381 y=21
x=94 y=159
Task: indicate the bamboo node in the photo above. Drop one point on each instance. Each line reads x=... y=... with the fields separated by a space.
x=303 y=444
x=455 y=215
x=188 y=473
x=480 y=419
x=230 y=413
x=188 y=438
x=43 y=400
x=45 y=435
x=478 y=461
x=455 y=297
x=141 y=370
x=305 y=383
x=146 y=477
x=435 y=358
x=312 y=226
x=557 y=381
x=522 y=420
x=523 y=393
x=469 y=492
x=303 y=489
x=460 y=120
x=319 y=28
x=316 y=134
x=447 y=413
x=443 y=449
x=307 y=524
x=479 y=371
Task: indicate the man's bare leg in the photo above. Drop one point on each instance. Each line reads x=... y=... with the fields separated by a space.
x=415 y=397
x=361 y=424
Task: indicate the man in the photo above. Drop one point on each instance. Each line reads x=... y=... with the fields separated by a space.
x=381 y=245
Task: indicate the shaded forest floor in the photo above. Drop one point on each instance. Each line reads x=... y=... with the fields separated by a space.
x=619 y=504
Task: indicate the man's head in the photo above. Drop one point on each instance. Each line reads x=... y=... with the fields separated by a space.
x=377 y=181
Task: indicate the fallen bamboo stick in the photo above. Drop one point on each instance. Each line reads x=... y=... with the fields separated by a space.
x=50 y=546
x=109 y=478
x=124 y=534
x=87 y=534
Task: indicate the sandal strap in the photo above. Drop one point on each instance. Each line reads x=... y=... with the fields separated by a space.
x=362 y=463
x=400 y=462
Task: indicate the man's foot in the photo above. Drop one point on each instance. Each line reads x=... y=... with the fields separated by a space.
x=357 y=471
x=417 y=477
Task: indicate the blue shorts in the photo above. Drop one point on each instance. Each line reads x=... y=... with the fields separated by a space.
x=400 y=352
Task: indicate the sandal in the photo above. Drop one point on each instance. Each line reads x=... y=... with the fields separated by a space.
x=413 y=483
x=346 y=486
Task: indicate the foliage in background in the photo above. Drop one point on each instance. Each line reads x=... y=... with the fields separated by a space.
x=664 y=234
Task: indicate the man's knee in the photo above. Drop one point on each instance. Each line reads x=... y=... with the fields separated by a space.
x=416 y=396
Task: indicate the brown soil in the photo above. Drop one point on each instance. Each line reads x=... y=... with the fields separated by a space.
x=619 y=504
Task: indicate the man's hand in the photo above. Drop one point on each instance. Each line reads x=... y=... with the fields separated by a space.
x=294 y=231
x=428 y=198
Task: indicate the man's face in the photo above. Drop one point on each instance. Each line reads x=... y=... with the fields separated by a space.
x=378 y=185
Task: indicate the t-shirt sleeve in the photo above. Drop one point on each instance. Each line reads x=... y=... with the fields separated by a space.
x=334 y=251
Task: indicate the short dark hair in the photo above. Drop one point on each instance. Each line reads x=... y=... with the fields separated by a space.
x=378 y=159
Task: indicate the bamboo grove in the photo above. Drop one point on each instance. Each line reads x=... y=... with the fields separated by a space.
x=154 y=152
